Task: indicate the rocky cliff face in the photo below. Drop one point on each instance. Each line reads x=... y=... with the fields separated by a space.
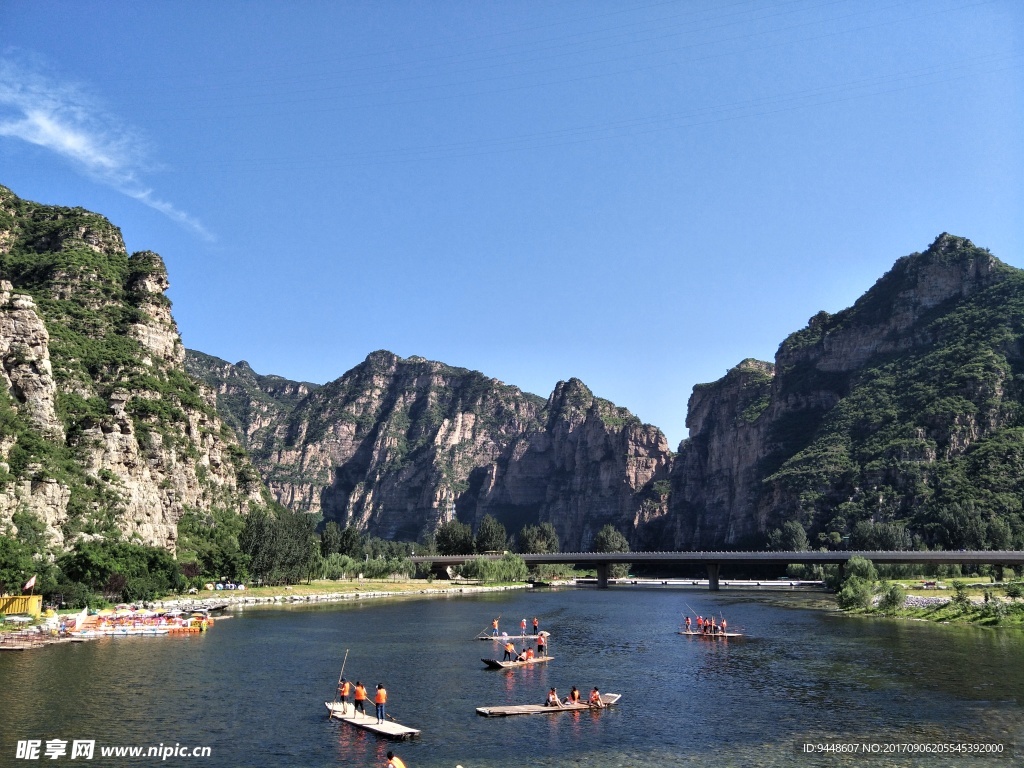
x=868 y=417
x=896 y=422
x=399 y=446
x=101 y=430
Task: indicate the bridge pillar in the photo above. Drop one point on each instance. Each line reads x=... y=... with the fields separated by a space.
x=602 y=576
x=713 y=576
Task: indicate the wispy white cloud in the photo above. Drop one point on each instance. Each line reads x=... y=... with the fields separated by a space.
x=61 y=117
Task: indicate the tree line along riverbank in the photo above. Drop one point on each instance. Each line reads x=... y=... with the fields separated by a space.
x=978 y=600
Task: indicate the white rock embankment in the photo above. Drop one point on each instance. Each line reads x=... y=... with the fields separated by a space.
x=913 y=601
x=235 y=599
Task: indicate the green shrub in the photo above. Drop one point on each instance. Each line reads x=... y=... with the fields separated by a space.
x=509 y=569
x=960 y=598
x=337 y=566
x=856 y=593
x=73 y=594
x=893 y=598
x=861 y=568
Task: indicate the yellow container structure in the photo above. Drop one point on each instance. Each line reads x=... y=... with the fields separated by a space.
x=30 y=604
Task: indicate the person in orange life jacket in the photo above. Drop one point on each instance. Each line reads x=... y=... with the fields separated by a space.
x=687 y=623
x=380 y=699
x=529 y=654
x=595 y=698
x=495 y=625
x=509 y=652
x=360 y=698
x=724 y=625
x=700 y=623
x=394 y=762
x=573 y=697
x=541 y=643
x=536 y=625
x=522 y=627
x=343 y=691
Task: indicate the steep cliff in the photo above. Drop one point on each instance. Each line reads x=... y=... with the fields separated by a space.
x=399 y=446
x=101 y=429
x=897 y=422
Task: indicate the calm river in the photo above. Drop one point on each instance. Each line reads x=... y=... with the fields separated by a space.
x=253 y=688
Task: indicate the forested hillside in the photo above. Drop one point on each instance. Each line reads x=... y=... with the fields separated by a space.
x=102 y=432
x=895 y=423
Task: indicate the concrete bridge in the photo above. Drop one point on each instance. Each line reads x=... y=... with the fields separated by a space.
x=713 y=561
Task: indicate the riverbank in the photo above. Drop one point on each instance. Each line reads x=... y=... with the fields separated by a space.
x=325 y=592
x=46 y=632
x=977 y=611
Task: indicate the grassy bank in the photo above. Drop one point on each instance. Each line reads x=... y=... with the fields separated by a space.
x=961 y=601
x=992 y=614
x=338 y=587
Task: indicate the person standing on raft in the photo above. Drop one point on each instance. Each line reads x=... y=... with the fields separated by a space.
x=360 y=699
x=344 y=688
x=380 y=700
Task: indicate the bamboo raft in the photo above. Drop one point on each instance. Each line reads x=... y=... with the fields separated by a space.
x=495 y=664
x=541 y=709
x=506 y=638
x=711 y=635
x=392 y=730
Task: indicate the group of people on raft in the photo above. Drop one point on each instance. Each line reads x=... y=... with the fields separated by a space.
x=552 y=699
x=527 y=654
x=707 y=626
x=522 y=627
x=360 y=697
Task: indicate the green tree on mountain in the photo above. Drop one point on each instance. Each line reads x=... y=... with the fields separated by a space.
x=608 y=539
x=538 y=539
x=454 y=538
x=491 y=535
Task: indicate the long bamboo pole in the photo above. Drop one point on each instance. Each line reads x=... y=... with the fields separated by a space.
x=341 y=676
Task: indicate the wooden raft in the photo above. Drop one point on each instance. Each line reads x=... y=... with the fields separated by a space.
x=495 y=664
x=540 y=709
x=390 y=730
x=711 y=635
x=506 y=638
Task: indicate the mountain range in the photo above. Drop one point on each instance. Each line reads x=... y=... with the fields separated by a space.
x=895 y=423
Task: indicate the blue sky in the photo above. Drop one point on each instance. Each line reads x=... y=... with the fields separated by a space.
x=638 y=194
